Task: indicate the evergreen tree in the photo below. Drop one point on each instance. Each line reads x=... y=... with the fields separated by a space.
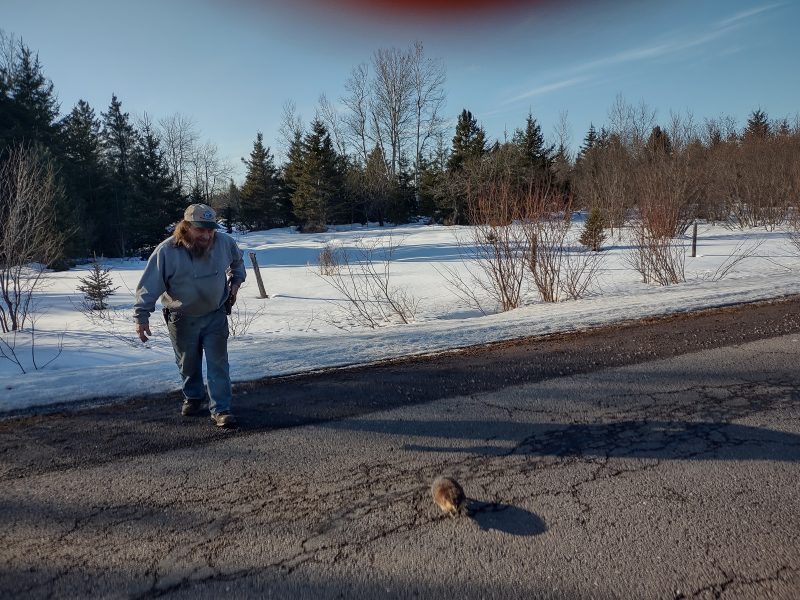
x=430 y=178
x=157 y=200
x=536 y=155
x=118 y=140
x=402 y=198
x=35 y=106
x=8 y=119
x=85 y=177
x=592 y=235
x=97 y=286
x=350 y=204
x=757 y=125
x=469 y=141
x=377 y=185
x=469 y=147
x=196 y=195
x=658 y=144
x=589 y=142
x=606 y=139
x=784 y=129
x=260 y=195
x=294 y=163
x=292 y=172
x=320 y=182
x=230 y=206
x=562 y=170
x=433 y=182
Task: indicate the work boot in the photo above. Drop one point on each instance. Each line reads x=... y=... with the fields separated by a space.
x=224 y=419
x=191 y=407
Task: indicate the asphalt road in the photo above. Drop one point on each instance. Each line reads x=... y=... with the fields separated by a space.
x=652 y=460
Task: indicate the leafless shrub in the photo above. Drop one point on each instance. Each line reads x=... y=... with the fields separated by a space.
x=241 y=319
x=114 y=321
x=793 y=228
x=363 y=278
x=604 y=180
x=519 y=233
x=763 y=184
x=498 y=242
x=579 y=273
x=741 y=252
x=667 y=190
x=658 y=259
x=469 y=288
x=327 y=262
x=558 y=271
x=29 y=239
x=546 y=225
x=9 y=350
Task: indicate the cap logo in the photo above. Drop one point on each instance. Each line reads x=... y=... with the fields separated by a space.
x=207 y=215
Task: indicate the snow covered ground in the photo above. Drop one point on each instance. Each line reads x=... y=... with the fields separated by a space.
x=299 y=328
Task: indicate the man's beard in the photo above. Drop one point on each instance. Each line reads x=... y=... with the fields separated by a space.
x=199 y=251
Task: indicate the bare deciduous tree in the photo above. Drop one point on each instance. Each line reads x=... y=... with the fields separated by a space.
x=427 y=80
x=395 y=103
x=9 y=53
x=29 y=240
x=210 y=174
x=392 y=103
x=632 y=124
x=329 y=115
x=179 y=137
x=291 y=127
x=357 y=120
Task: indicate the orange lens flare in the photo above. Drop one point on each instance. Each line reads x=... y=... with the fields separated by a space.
x=411 y=8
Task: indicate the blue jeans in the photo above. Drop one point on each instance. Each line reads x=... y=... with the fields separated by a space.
x=193 y=336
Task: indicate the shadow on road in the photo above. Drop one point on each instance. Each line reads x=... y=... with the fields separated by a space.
x=631 y=439
x=506 y=518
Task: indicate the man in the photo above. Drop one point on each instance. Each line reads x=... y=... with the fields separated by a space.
x=196 y=272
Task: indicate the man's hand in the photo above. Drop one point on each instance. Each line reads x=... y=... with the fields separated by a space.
x=232 y=295
x=143 y=331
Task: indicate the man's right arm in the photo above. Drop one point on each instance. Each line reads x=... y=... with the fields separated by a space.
x=149 y=289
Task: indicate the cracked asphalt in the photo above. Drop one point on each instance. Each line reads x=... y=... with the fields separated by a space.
x=657 y=459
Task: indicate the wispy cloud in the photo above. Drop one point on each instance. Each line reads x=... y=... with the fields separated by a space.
x=674 y=44
x=678 y=43
x=747 y=14
x=546 y=89
x=657 y=50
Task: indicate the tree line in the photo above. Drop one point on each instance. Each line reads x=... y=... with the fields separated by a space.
x=388 y=155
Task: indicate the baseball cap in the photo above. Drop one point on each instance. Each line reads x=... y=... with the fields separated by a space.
x=201 y=215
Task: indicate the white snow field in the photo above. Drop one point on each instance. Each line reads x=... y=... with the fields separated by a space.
x=298 y=328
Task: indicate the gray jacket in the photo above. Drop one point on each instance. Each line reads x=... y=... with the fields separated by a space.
x=188 y=285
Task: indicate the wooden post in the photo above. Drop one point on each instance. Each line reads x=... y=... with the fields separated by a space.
x=694 y=240
x=260 y=282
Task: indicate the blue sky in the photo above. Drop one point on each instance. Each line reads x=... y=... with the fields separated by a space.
x=231 y=65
